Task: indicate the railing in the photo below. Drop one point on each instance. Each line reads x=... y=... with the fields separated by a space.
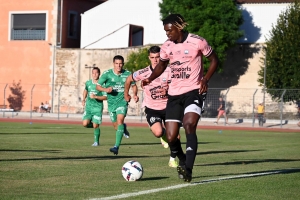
x=240 y=103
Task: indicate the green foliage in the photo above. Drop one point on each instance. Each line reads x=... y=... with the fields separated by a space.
x=282 y=53
x=217 y=21
x=137 y=60
x=17 y=96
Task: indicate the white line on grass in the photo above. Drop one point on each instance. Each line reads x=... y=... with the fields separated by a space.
x=121 y=196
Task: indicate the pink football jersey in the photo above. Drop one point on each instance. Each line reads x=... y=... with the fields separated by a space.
x=152 y=93
x=185 y=62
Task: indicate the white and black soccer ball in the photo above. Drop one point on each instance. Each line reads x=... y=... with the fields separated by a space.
x=132 y=171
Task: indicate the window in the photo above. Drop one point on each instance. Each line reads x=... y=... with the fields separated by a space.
x=28 y=26
x=136 y=35
x=72 y=24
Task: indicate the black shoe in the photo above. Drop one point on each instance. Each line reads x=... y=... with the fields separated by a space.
x=114 y=150
x=126 y=133
x=186 y=174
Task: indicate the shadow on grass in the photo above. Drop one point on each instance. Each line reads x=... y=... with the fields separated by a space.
x=42 y=133
x=249 y=174
x=245 y=162
x=156 y=143
x=83 y=158
x=229 y=151
x=27 y=150
x=153 y=178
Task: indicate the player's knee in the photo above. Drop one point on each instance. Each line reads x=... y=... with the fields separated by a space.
x=190 y=126
x=157 y=133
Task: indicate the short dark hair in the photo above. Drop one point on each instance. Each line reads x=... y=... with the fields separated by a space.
x=96 y=68
x=118 y=57
x=176 y=20
x=154 y=49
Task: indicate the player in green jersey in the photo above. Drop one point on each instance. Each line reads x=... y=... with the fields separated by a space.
x=93 y=102
x=112 y=82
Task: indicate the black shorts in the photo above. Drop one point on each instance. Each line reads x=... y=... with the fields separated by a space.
x=154 y=116
x=178 y=105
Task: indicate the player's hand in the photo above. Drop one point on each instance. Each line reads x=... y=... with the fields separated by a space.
x=109 y=90
x=83 y=103
x=203 y=86
x=145 y=82
x=163 y=91
x=92 y=96
x=127 y=97
x=136 y=98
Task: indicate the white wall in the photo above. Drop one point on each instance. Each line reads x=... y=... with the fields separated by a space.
x=112 y=18
x=107 y=25
x=258 y=20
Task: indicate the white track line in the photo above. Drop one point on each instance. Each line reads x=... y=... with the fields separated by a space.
x=126 y=195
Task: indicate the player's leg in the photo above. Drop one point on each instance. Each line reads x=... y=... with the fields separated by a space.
x=174 y=112
x=120 y=116
x=155 y=120
x=97 y=120
x=113 y=119
x=193 y=108
x=225 y=117
x=87 y=120
x=218 y=117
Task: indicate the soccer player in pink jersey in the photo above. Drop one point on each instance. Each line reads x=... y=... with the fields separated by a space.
x=155 y=98
x=183 y=52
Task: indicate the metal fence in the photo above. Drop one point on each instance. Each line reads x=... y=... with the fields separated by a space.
x=239 y=102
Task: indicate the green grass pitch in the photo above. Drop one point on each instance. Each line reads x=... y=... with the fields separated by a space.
x=56 y=161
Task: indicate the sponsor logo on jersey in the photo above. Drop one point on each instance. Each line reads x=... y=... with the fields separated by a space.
x=181 y=72
x=143 y=70
x=177 y=63
x=186 y=51
x=156 y=93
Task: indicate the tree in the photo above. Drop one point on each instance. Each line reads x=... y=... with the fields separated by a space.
x=137 y=60
x=17 y=96
x=282 y=54
x=217 y=21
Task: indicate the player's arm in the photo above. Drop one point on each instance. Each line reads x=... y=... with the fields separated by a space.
x=135 y=91
x=127 y=84
x=101 y=82
x=84 y=95
x=158 y=70
x=101 y=98
x=214 y=62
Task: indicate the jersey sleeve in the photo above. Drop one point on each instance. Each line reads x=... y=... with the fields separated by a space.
x=164 y=54
x=102 y=79
x=205 y=48
x=140 y=74
x=86 y=86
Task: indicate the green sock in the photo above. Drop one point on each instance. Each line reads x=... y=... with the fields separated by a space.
x=119 y=135
x=96 y=134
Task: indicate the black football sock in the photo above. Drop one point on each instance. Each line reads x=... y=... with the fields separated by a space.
x=191 y=150
x=175 y=148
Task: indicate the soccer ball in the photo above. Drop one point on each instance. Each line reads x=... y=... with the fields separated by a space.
x=132 y=171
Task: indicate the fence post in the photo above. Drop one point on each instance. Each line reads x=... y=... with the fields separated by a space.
x=281 y=109
x=31 y=101
x=225 y=95
x=58 y=104
x=253 y=106
x=4 y=100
